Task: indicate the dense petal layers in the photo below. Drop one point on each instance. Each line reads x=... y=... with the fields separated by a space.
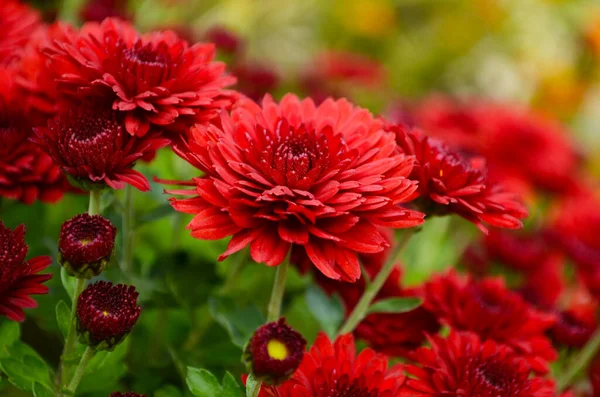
x=451 y=183
x=490 y=310
x=335 y=370
x=156 y=79
x=463 y=365
x=319 y=178
x=19 y=278
x=90 y=144
x=17 y=22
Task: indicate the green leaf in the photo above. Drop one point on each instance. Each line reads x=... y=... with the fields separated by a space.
x=24 y=367
x=104 y=370
x=328 y=311
x=240 y=323
x=9 y=333
x=202 y=383
x=167 y=391
x=395 y=305
x=42 y=391
x=63 y=317
x=250 y=384
x=156 y=213
x=68 y=282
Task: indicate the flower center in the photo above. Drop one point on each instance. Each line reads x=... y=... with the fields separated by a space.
x=148 y=63
x=495 y=377
x=277 y=350
x=346 y=388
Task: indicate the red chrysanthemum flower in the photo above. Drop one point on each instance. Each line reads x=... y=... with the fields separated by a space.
x=575 y=325
x=255 y=80
x=127 y=394
x=274 y=352
x=17 y=22
x=106 y=313
x=90 y=144
x=26 y=172
x=334 y=370
x=153 y=80
x=319 y=178
x=226 y=40
x=489 y=309
x=86 y=245
x=393 y=334
x=452 y=183
x=19 y=278
x=462 y=365
x=99 y=10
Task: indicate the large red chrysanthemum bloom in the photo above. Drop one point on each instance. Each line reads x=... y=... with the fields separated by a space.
x=19 y=278
x=334 y=370
x=394 y=334
x=319 y=178
x=463 y=365
x=155 y=79
x=487 y=308
x=91 y=145
x=17 y=22
x=452 y=183
x=517 y=143
x=26 y=172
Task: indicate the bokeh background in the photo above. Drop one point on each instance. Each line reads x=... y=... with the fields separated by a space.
x=382 y=54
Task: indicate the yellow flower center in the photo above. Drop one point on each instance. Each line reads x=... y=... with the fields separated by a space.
x=85 y=242
x=277 y=350
x=105 y=313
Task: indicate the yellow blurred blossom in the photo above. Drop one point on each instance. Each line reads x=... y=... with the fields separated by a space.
x=371 y=18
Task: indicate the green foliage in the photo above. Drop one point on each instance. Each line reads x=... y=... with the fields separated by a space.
x=63 y=317
x=395 y=305
x=240 y=322
x=204 y=384
x=328 y=311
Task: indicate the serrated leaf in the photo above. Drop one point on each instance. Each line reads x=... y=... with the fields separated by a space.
x=230 y=387
x=395 y=305
x=63 y=317
x=250 y=384
x=42 y=391
x=10 y=332
x=68 y=282
x=202 y=383
x=327 y=310
x=240 y=323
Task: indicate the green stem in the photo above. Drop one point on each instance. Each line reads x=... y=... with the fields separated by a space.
x=580 y=361
x=274 y=309
x=94 y=208
x=85 y=359
x=361 y=308
x=128 y=233
x=255 y=390
x=67 y=356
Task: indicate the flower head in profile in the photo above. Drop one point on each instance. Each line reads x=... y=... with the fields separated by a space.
x=19 y=278
x=575 y=325
x=463 y=365
x=155 y=79
x=106 y=313
x=487 y=308
x=452 y=183
x=17 y=22
x=335 y=370
x=27 y=173
x=274 y=352
x=90 y=144
x=319 y=178
x=86 y=245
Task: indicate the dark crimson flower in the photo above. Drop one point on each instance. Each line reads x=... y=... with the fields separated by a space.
x=462 y=365
x=255 y=80
x=99 y=10
x=155 y=79
x=106 y=313
x=86 y=245
x=350 y=67
x=274 y=352
x=319 y=178
x=225 y=39
x=392 y=334
x=90 y=144
x=17 y=22
x=487 y=308
x=26 y=172
x=452 y=183
x=594 y=376
x=19 y=278
x=127 y=394
x=575 y=326
x=334 y=370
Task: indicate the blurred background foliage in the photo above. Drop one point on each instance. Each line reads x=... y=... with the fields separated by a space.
x=543 y=53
